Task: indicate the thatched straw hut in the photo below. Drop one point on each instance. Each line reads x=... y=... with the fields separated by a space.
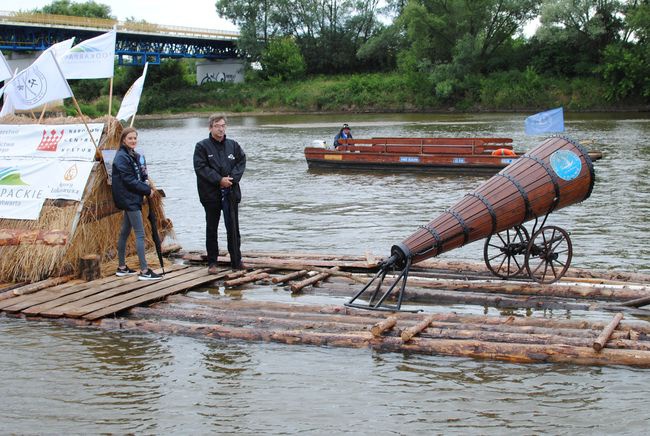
x=66 y=230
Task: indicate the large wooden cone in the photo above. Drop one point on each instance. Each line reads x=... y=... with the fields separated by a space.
x=553 y=175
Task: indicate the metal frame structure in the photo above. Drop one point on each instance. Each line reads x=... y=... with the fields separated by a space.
x=131 y=48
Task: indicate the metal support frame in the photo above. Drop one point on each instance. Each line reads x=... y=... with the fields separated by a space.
x=375 y=303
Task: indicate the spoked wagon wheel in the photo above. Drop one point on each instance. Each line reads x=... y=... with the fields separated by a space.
x=549 y=254
x=505 y=252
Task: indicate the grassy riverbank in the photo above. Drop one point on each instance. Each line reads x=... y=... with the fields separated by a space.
x=393 y=92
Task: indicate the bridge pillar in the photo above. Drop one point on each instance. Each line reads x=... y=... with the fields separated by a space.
x=230 y=70
x=20 y=61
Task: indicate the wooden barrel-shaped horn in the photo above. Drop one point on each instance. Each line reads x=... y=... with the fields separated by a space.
x=555 y=174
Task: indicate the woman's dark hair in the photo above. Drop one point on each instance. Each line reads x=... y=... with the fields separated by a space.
x=125 y=132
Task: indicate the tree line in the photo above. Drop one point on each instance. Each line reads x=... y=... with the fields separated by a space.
x=454 y=50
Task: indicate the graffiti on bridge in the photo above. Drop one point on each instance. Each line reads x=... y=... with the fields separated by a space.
x=218 y=77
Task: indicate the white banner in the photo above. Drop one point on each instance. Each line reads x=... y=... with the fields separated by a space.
x=25 y=184
x=90 y=59
x=63 y=141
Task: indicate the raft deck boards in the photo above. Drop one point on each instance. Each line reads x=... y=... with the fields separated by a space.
x=106 y=296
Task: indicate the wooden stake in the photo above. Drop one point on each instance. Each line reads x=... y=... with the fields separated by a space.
x=89 y=267
x=297 y=287
x=602 y=339
x=290 y=276
x=412 y=331
x=249 y=278
x=383 y=326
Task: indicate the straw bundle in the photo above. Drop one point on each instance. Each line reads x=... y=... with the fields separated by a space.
x=92 y=225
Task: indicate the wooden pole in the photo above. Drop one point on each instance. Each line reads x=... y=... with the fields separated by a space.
x=110 y=96
x=83 y=118
x=42 y=114
x=602 y=339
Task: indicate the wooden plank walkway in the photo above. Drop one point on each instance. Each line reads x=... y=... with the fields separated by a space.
x=105 y=296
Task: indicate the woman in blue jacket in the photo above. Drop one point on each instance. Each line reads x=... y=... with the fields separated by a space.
x=129 y=184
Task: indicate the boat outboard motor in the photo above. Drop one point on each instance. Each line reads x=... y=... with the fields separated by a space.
x=555 y=174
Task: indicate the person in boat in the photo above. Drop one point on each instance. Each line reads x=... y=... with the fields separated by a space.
x=219 y=164
x=129 y=183
x=344 y=133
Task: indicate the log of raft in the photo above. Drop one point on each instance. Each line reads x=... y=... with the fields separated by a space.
x=251 y=277
x=32 y=237
x=291 y=276
x=520 y=353
x=297 y=287
x=602 y=339
x=412 y=331
x=383 y=326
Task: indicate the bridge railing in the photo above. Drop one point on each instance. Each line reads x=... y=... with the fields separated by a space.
x=53 y=20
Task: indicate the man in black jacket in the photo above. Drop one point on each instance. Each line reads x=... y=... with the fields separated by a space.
x=219 y=164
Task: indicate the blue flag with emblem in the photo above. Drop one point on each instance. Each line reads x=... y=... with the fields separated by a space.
x=550 y=121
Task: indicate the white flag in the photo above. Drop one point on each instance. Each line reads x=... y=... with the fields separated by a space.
x=60 y=48
x=132 y=97
x=40 y=83
x=90 y=59
x=5 y=70
x=7 y=107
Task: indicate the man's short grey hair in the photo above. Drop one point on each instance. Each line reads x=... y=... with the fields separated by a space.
x=216 y=117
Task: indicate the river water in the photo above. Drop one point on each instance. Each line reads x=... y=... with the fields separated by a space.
x=59 y=379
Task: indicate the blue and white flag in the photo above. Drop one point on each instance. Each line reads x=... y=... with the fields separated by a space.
x=551 y=121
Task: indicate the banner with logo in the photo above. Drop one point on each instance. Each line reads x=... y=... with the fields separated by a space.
x=90 y=59
x=39 y=162
x=26 y=184
x=63 y=141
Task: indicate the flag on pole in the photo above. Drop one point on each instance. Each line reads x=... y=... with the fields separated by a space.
x=7 y=107
x=40 y=83
x=60 y=48
x=550 y=121
x=90 y=59
x=131 y=99
x=5 y=70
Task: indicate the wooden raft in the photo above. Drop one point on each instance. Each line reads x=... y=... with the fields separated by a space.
x=608 y=341
x=506 y=338
x=103 y=297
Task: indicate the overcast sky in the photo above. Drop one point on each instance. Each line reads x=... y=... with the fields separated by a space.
x=186 y=13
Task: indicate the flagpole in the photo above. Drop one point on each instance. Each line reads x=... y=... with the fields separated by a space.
x=132 y=120
x=83 y=118
x=110 y=96
x=42 y=113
